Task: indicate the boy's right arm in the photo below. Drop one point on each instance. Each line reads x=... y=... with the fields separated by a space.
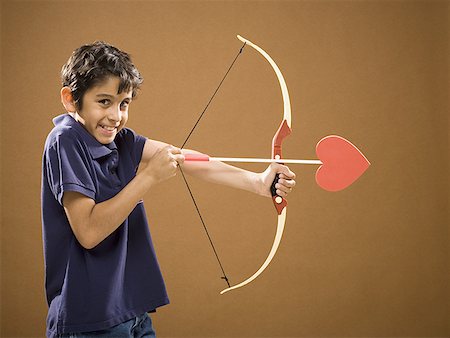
x=92 y=222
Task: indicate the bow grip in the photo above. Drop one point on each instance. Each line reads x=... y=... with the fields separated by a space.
x=283 y=131
x=279 y=202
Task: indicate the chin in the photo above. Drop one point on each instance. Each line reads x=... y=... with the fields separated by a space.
x=104 y=139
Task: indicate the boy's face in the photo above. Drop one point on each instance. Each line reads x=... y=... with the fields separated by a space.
x=104 y=111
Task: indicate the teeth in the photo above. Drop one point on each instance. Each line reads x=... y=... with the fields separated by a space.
x=108 y=128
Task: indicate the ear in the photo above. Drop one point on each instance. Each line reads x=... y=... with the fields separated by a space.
x=67 y=100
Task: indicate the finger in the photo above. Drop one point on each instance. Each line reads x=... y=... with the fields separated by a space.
x=179 y=158
x=283 y=188
x=174 y=150
x=287 y=182
x=173 y=165
x=281 y=193
x=283 y=170
x=288 y=173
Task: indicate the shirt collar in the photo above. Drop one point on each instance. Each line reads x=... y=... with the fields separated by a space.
x=96 y=148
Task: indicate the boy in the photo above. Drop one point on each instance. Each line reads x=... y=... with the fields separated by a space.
x=102 y=275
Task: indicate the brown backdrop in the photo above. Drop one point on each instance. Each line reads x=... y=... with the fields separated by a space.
x=371 y=260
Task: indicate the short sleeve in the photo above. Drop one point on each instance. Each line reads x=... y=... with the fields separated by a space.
x=69 y=168
x=134 y=143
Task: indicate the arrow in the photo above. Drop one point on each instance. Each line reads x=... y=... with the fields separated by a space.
x=341 y=162
x=191 y=157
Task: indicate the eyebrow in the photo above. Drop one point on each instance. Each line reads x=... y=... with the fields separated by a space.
x=111 y=96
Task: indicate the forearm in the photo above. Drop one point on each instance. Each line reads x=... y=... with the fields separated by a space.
x=224 y=174
x=214 y=172
x=93 y=222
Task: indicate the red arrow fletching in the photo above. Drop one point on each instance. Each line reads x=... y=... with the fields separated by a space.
x=196 y=157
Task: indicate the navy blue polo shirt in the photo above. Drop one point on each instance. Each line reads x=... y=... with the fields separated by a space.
x=120 y=278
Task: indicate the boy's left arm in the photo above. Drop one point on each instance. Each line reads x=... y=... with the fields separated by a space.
x=259 y=183
x=221 y=173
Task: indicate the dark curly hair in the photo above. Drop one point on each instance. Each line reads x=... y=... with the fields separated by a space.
x=91 y=64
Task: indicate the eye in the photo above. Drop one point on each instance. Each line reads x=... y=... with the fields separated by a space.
x=124 y=104
x=104 y=102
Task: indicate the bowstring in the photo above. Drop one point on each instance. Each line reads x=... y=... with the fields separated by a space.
x=184 y=177
x=205 y=228
x=213 y=95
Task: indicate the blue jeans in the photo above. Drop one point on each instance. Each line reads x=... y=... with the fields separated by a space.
x=138 y=327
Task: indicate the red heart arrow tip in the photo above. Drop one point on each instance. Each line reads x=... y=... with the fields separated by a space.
x=343 y=163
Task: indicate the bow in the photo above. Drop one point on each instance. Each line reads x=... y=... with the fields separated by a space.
x=283 y=131
x=280 y=203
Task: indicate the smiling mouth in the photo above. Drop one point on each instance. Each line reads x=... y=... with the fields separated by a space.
x=108 y=128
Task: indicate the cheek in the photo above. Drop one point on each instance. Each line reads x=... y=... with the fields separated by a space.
x=124 y=119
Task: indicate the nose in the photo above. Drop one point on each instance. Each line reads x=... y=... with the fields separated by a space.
x=115 y=114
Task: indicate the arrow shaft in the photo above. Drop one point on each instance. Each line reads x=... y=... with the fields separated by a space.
x=263 y=160
x=206 y=158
